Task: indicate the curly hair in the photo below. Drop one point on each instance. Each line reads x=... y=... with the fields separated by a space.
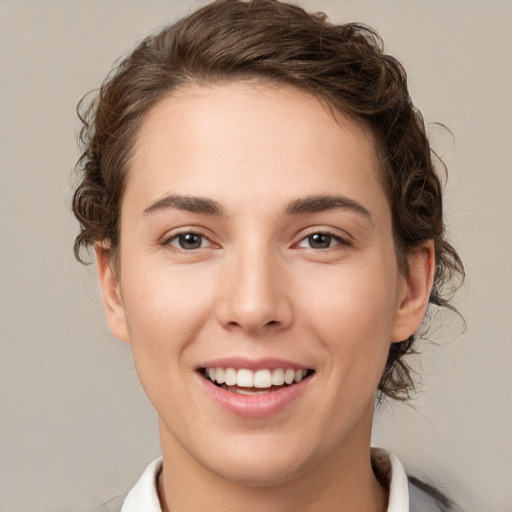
x=344 y=65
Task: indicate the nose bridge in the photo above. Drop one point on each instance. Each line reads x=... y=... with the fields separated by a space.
x=254 y=294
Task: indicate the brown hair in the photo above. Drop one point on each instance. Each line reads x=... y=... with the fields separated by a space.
x=266 y=39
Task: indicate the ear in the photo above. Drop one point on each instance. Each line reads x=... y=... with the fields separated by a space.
x=110 y=290
x=414 y=292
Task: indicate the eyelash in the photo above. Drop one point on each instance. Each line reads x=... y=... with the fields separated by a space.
x=177 y=237
x=332 y=238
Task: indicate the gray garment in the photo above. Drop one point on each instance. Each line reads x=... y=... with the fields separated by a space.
x=425 y=498
x=112 y=505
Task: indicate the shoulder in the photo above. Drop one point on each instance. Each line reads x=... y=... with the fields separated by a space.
x=426 y=498
x=114 y=504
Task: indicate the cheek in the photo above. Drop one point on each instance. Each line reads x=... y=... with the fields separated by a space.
x=166 y=308
x=352 y=300
x=352 y=312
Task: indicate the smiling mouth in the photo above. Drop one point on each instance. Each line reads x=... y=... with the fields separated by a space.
x=248 y=382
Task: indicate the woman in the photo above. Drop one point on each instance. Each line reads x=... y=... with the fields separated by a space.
x=267 y=223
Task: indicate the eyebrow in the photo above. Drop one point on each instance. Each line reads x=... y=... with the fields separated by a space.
x=313 y=204
x=187 y=203
x=309 y=204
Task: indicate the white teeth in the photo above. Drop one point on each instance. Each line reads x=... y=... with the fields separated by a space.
x=230 y=376
x=245 y=378
x=278 y=377
x=299 y=375
x=220 y=375
x=289 y=376
x=254 y=391
x=260 y=379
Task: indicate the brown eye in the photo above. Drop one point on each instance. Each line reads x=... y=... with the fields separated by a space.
x=189 y=241
x=319 y=241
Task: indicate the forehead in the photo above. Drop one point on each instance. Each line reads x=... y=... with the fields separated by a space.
x=219 y=140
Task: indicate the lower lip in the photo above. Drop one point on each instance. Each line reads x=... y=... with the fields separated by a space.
x=254 y=406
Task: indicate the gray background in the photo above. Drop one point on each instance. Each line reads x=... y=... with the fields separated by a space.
x=75 y=428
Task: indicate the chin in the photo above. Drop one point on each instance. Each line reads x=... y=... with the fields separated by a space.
x=260 y=463
x=260 y=473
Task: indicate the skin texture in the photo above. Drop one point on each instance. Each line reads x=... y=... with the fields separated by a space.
x=256 y=288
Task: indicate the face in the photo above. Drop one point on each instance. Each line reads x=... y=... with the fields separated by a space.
x=258 y=283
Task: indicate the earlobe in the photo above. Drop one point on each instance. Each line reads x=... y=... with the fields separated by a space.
x=110 y=290
x=414 y=292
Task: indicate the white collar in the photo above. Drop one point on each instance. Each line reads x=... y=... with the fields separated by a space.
x=391 y=470
x=144 y=498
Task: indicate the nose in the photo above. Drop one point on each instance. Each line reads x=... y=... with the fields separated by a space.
x=254 y=295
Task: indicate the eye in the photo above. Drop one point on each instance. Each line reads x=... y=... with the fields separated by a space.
x=320 y=241
x=189 y=241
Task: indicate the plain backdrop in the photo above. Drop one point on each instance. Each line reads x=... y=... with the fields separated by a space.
x=75 y=427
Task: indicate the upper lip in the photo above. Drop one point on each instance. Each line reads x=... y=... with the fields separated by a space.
x=254 y=364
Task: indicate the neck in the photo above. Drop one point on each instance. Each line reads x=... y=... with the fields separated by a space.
x=344 y=481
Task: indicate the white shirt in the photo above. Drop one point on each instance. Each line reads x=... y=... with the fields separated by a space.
x=144 y=498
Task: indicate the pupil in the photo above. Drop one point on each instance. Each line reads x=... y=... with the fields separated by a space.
x=319 y=241
x=190 y=241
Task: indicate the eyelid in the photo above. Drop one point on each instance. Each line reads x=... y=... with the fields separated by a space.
x=344 y=238
x=335 y=241
x=174 y=234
